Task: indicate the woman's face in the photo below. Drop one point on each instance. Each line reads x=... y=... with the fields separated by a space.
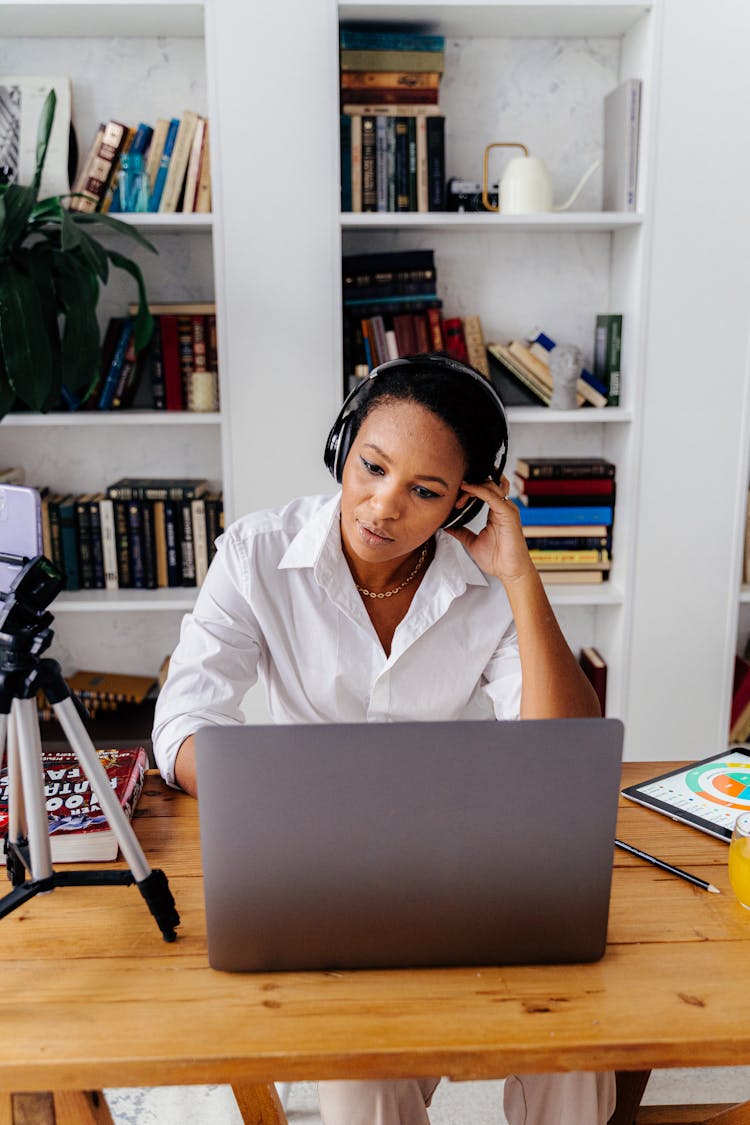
x=400 y=481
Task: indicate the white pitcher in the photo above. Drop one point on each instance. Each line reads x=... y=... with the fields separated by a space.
x=526 y=186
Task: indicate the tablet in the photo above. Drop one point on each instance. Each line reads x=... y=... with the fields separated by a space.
x=708 y=795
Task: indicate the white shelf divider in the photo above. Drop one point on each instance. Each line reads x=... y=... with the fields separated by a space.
x=569 y=222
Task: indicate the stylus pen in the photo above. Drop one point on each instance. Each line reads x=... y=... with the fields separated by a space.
x=668 y=867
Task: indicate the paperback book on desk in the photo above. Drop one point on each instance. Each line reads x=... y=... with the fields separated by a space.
x=79 y=831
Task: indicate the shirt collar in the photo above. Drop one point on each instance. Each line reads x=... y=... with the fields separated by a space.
x=319 y=543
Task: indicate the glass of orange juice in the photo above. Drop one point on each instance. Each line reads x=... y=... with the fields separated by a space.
x=739 y=859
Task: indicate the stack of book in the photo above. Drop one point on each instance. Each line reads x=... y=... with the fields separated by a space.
x=391 y=308
x=178 y=370
x=142 y=533
x=166 y=167
x=392 y=130
x=522 y=367
x=567 y=509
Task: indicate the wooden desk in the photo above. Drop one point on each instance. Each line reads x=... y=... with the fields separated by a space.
x=92 y=997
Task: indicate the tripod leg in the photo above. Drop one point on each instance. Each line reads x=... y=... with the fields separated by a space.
x=32 y=775
x=153 y=885
x=16 y=814
x=83 y=747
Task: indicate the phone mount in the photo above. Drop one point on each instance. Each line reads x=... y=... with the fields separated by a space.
x=25 y=633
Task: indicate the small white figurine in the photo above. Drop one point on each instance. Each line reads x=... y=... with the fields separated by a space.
x=566 y=365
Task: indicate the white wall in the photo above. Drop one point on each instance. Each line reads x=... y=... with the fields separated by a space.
x=695 y=436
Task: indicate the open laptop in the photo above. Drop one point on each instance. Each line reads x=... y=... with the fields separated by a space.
x=407 y=844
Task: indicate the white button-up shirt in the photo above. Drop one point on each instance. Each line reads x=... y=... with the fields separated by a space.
x=279 y=603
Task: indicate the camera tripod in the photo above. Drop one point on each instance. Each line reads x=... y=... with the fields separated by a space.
x=24 y=634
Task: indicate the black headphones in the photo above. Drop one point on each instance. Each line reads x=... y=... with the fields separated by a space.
x=340 y=439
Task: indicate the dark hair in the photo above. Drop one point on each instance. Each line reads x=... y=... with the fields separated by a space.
x=451 y=396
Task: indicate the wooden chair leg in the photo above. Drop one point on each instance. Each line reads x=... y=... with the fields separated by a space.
x=260 y=1105
x=66 y=1107
x=32 y=1109
x=631 y=1085
x=81 y=1107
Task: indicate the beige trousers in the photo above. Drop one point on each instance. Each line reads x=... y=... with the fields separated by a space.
x=578 y=1098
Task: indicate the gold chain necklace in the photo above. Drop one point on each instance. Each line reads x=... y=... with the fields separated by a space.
x=398 y=589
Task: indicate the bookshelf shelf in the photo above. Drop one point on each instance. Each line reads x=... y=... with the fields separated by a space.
x=542 y=415
x=178 y=223
x=115 y=418
x=606 y=594
x=139 y=18
x=562 y=222
x=180 y=599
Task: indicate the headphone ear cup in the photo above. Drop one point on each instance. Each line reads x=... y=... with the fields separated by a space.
x=343 y=445
x=461 y=516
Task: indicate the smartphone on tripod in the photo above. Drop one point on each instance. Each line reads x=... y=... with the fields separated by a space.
x=20 y=529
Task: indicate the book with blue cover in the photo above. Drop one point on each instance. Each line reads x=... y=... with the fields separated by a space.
x=161 y=175
x=564 y=517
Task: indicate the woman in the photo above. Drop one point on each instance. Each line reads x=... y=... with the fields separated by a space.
x=379 y=605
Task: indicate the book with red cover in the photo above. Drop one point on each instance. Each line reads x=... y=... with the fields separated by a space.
x=595 y=667
x=170 y=359
x=587 y=486
x=79 y=831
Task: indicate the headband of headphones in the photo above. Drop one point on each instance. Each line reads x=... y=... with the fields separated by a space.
x=342 y=434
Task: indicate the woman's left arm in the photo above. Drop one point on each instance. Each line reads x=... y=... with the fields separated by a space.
x=554 y=685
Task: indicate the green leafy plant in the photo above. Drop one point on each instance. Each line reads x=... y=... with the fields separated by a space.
x=51 y=271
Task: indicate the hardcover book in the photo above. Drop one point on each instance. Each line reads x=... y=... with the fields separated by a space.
x=595 y=667
x=622 y=111
x=79 y=831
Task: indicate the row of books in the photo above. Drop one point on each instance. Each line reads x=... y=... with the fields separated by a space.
x=165 y=167
x=138 y=534
x=392 y=162
x=567 y=508
x=392 y=131
x=178 y=370
x=523 y=365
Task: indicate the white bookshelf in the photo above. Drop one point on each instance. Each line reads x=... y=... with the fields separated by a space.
x=555 y=270
x=134 y=62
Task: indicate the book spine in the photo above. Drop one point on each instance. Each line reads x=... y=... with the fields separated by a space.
x=214 y=523
x=401 y=164
x=156 y=369
x=203 y=194
x=355 y=39
x=163 y=169
x=435 y=163
x=149 y=546
x=369 y=165
x=381 y=163
x=160 y=543
x=390 y=158
x=172 y=522
x=418 y=62
x=193 y=166
x=176 y=171
x=437 y=335
x=170 y=354
x=97 y=543
x=135 y=545
x=113 y=375
x=109 y=543
x=423 y=188
x=356 y=161
x=185 y=348
x=607 y=349
x=187 y=550
x=83 y=537
x=69 y=543
x=122 y=547
x=345 y=141
x=98 y=173
x=200 y=539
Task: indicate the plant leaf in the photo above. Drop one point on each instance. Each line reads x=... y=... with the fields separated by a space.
x=27 y=339
x=18 y=203
x=144 y=322
x=42 y=137
x=94 y=255
x=70 y=236
x=115 y=224
x=77 y=292
x=7 y=394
